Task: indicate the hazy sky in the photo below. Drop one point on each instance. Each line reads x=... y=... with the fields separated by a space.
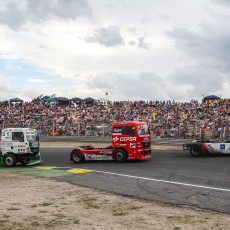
x=132 y=49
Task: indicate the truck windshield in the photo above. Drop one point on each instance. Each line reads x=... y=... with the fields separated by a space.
x=34 y=137
x=143 y=130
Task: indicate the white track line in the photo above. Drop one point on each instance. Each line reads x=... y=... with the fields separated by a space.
x=165 y=181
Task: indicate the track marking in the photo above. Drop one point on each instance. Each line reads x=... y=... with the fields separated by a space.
x=79 y=171
x=165 y=181
x=43 y=167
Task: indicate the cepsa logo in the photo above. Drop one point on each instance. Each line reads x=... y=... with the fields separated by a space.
x=128 y=138
x=124 y=139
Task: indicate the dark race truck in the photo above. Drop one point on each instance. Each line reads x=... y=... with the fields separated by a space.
x=131 y=140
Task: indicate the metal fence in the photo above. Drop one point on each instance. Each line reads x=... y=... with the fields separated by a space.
x=185 y=132
x=51 y=127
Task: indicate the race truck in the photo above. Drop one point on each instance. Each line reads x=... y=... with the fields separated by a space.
x=131 y=140
x=205 y=147
x=19 y=145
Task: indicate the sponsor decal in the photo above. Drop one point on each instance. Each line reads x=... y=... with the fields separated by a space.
x=123 y=122
x=21 y=150
x=97 y=157
x=222 y=146
x=103 y=152
x=115 y=139
x=116 y=130
x=132 y=145
x=128 y=138
x=7 y=144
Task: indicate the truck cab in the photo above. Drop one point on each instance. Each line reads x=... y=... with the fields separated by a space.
x=19 y=145
x=131 y=138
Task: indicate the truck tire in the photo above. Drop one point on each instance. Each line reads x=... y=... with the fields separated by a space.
x=77 y=156
x=120 y=155
x=196 y=150
x=10 y=160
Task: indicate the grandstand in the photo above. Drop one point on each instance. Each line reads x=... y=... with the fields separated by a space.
x=166 y=119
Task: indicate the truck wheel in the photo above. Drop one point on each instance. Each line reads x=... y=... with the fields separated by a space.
x=195 y=150
x=77 y=156
x=120 y=155
x=10 y=160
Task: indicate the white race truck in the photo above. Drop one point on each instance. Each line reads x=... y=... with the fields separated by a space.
x=19 y=145
x=205 y=147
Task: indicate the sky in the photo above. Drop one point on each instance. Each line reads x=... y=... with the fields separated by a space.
x=129 y=49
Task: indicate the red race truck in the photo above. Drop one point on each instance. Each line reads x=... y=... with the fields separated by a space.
x=131 y=140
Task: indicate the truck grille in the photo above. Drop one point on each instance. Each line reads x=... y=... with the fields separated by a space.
x=35 y=150
x=146 y=144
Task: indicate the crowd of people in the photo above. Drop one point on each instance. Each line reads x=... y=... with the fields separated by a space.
x=166 y=118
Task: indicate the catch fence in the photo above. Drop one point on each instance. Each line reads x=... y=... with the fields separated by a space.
x=52 y=127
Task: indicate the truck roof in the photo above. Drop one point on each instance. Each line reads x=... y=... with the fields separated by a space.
x=18 y=129
x=129 y=123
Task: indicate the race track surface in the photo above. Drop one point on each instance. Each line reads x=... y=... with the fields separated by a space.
x=170 y=176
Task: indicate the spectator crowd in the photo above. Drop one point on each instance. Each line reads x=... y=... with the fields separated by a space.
x=165 y=118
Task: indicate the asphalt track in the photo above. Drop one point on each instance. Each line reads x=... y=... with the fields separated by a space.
x=170 y=176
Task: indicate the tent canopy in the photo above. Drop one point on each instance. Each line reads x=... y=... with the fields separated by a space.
x=89 y=100
x=211 y=97
x=50 y=99
x=62 y=99
x=16 y=99
x=76 y=99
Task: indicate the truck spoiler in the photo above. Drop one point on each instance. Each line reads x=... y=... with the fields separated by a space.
x=34 y=162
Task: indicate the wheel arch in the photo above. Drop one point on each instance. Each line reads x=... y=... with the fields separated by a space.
x=10 y=152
